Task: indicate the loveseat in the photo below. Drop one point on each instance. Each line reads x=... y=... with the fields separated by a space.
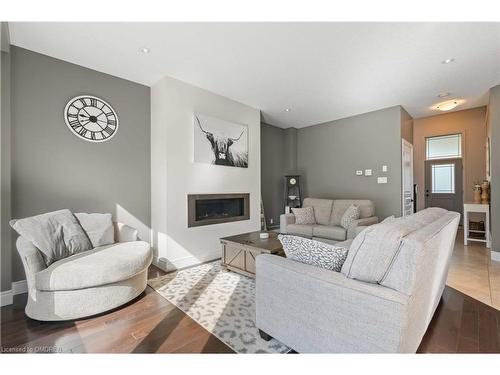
x=382 y=300
x=89 y=282
x=328 y=213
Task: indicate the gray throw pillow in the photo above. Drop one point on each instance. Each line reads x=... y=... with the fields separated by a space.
x=304 y=215
x=351 y=214
x=99 y=228
x=313 y=252
x=56 y=234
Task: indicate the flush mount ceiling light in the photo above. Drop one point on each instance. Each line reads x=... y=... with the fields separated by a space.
x=287 y=109
x=447 y=106
x=144 y=50
x=448 y=60
x=444 y=95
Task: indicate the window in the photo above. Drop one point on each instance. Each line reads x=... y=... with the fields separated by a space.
x=443 y=178
x=444 y=147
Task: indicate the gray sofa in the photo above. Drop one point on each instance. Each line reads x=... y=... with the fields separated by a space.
x=86 y=283
x=328 y=213
x=314 y=310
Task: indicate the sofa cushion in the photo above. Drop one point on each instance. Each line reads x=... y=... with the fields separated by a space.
x=322 y=209
x=56 y=235
x=304 y=215
x=350 y=215
x=330 y=231
x=375 y=248
x=366 y=209
x=100 y=266
x=302 y=229
x=313 y=252
x=99 y=228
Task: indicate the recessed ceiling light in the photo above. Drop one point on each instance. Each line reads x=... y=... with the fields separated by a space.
x=447 y=106
x=444 y=95
x=144 y=50
x=287 y=109
x=448 y=60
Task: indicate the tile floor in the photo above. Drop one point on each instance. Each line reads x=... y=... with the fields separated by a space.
x=472 y=272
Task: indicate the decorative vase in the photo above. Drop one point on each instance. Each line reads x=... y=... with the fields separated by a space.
x=477 y=193
x=485 y=196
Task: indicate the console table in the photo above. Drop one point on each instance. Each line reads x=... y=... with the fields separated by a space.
x=481 y=208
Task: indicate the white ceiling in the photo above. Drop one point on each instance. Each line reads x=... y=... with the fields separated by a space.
x=322 y=71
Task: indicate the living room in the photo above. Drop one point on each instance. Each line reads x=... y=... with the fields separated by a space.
x=249 y=187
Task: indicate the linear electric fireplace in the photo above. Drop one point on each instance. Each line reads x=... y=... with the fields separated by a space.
x=206 y=209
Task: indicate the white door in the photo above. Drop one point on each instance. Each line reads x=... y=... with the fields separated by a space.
x=407 y=178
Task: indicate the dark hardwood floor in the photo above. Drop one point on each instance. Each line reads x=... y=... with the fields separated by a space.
x=150 y=324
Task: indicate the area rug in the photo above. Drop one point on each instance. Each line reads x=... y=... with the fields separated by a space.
x=221 y=301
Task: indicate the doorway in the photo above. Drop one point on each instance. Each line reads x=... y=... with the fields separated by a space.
x=444 y=172
x=407 y=177
x=443 y=184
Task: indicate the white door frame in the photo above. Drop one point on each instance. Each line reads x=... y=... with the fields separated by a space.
x=408 y=145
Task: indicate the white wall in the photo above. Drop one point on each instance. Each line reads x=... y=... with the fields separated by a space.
x=174 y=175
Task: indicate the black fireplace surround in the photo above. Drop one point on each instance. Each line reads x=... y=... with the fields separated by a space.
x=207 y=209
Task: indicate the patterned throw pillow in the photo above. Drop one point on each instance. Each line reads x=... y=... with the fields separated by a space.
x=352 y=213
x=304 y=215
x=313 y=252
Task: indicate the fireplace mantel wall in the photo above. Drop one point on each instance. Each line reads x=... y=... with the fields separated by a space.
x=173 y=103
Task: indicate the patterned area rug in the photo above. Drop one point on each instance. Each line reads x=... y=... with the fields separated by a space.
x=221 y=301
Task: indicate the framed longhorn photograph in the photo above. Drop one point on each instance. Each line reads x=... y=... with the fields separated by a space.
x=220 y=142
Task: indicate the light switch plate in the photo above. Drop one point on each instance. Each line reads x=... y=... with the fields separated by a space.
x=384 y=168
x=368 y=172
x=359 y=173
x=381 y=180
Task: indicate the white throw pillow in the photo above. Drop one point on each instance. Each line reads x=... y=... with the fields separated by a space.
x=304 y=215
x=315 y=253
x=351 y=214
x=99 y=228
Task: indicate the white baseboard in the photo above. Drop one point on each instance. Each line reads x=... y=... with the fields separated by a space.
x=17 y=287
x=7 y=298
x=495 y=255
x=180 y=263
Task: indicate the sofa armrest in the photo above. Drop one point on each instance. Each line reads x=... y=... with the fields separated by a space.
x=285 y=220
x=314 y=310
x=32 y=260
x=353 y=231
x=125 y=233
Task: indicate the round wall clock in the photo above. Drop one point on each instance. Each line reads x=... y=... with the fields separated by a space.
x=91 y=118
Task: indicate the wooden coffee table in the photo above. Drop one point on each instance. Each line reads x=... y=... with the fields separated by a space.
x=239 y=252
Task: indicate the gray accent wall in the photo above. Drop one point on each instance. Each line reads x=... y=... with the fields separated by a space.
x=494 y=130
x=272 y=160
x=53 y=169
x=278 y=158
x=330 y=153
x=5 y=167
x=5 y=130
x=406 y=126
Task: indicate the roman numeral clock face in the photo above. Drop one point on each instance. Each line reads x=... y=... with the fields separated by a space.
x=91 y=118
